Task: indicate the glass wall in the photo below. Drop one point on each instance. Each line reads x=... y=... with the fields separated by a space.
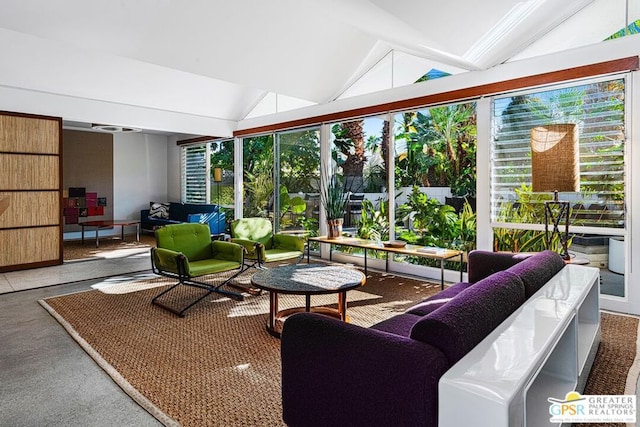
x=290 y=163
x=221 y=175
x=359 y=157
x=435 y=178
x=297 y=173
x=257 y=171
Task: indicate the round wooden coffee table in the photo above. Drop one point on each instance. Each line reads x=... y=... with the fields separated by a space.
x=307 y=280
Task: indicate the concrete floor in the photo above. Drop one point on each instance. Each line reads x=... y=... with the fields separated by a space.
x=46 y=379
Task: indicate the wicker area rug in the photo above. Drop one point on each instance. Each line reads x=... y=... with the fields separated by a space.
x=216 y=366
x=219 y=366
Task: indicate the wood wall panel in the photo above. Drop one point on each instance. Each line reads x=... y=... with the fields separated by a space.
x=31 y=245
x=19 y=134
x=30 y=191
x=29 y=172
x=32 y=208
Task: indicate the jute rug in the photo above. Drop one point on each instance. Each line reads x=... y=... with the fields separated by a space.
x=219 y=366
x=216 y=366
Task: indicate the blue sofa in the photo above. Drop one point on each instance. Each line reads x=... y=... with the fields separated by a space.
x=336 y=373
x=187 y=212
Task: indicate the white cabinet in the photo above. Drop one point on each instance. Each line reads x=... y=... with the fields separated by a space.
x=545 y=349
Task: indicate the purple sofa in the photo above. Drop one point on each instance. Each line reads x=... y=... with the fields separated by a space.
x=336 y=373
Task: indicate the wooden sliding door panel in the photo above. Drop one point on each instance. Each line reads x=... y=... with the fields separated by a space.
x=29 y=208
x=29 y=245
x=30 y=191
x=29 y=135
x=29 y=172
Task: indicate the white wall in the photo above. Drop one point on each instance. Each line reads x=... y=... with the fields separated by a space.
x=139 y=176
x=139 y=173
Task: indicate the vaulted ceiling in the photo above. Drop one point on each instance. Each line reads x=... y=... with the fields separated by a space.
x=220 y=59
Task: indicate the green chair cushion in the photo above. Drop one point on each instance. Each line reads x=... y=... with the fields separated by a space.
x=280 y=254
x=192 y=239
x=210 y=266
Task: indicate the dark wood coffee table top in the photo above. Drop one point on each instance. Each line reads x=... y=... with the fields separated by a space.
x=308 y=279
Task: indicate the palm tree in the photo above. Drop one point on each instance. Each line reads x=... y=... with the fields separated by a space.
x=349 y=140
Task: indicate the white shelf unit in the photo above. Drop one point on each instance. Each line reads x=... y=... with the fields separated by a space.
x=542 y=350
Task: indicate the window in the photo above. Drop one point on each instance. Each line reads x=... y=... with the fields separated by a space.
x=435 y=177
x=598 y=111
x=198 y=165
x=195 y=173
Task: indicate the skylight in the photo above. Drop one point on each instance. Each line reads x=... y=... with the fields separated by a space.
x=397 y=69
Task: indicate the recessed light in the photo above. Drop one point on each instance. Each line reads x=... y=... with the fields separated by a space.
x=113 y=128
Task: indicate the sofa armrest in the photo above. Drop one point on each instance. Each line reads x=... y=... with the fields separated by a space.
x=335 y=373
x=482 y=264
x=288 y=241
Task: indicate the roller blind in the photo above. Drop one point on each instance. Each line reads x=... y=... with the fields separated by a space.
x=599 y=112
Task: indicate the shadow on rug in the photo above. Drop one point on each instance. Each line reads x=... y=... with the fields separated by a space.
x=110 y=247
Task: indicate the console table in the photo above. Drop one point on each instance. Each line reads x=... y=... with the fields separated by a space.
x=109 y=223
x=544 y=349
x=413 y=250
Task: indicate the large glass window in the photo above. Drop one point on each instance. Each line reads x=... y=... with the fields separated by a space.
x=298 y=176
x=597 y=210
x=435 y=177
x=207 y=173
x=598 y=111
x=288 y=162
x=257 y=171
x=359 y=156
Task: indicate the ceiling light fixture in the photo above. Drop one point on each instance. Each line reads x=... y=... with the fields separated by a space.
x=113 y=128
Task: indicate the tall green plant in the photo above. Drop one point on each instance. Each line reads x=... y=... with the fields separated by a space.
x=374 y=223
x=333 y=196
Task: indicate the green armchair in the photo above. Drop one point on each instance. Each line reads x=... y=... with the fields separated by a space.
x=185 y=252
x=262 y=245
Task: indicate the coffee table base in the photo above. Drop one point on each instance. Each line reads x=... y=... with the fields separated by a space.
x=281 y=317
x=278 y=317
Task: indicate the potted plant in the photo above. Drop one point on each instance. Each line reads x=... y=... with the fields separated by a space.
x=334 y=201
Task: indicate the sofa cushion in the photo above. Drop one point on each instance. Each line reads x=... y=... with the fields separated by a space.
x=458 y=326
x=438 y=300
x=398 y=325
x=159 y=210
x=537 y=270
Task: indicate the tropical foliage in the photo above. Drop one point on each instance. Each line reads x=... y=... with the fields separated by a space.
x=440 y=148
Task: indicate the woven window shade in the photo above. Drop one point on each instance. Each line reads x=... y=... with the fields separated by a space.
x=555 y=159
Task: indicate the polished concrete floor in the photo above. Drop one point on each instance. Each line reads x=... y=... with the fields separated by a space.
x=46 y=379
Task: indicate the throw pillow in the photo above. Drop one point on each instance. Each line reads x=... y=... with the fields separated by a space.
x=159 y=210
